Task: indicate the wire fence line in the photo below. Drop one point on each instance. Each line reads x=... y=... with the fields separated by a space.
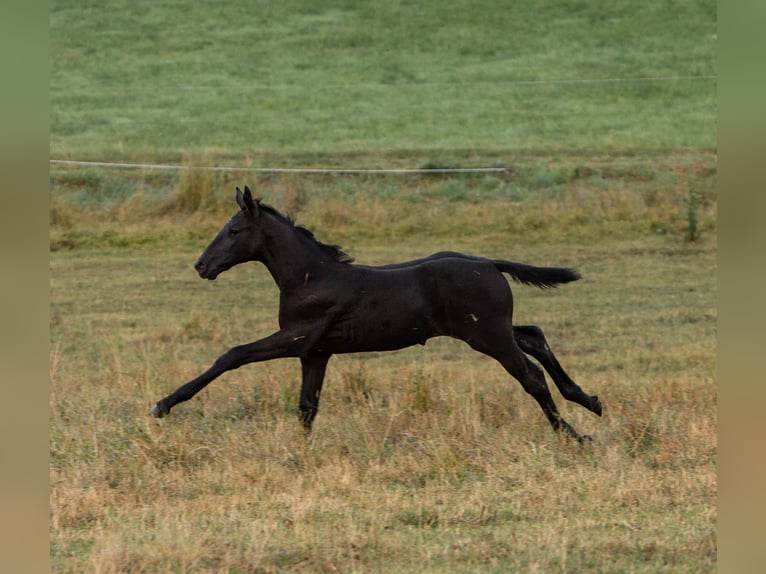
x=65 y=163
x=362 y=171
x=277 y=170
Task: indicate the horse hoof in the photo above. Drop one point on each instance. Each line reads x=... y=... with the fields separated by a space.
x=595 y=405
x=157 y=411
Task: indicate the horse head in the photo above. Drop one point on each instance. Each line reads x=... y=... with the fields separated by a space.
x=237 y=241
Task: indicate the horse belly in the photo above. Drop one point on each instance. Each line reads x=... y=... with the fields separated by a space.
x=395 y=324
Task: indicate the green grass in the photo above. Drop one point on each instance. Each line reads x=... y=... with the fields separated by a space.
x=157 y=80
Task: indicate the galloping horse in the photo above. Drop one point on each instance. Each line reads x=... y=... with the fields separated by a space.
x=329 y=305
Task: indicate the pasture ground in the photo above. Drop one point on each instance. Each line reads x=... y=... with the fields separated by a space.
x=429 y=459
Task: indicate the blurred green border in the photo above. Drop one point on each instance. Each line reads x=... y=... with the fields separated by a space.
x=24 y=145
x=24 y=301
x=741 y=391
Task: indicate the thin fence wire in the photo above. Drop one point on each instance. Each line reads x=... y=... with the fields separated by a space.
x=361 y=171
x=276 y=170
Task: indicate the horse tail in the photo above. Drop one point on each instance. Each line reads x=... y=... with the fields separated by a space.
x=542 y=277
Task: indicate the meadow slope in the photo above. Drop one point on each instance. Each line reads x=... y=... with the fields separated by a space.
x=149 y=80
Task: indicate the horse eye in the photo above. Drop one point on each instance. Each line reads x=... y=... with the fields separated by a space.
x=233 y=231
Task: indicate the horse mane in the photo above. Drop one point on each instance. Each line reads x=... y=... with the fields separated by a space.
x=334 y=251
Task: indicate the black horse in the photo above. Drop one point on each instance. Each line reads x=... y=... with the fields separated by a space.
x=327 y=306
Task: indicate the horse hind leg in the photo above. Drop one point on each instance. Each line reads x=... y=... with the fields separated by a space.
x=532 y=380
x=505 y=350
x=531 y=340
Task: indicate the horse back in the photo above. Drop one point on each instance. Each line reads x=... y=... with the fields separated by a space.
x=442 y=296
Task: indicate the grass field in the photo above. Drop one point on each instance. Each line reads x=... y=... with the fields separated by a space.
x=424 y=460
x=152 y=80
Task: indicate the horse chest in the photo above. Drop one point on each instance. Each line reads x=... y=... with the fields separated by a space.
x=301 y=310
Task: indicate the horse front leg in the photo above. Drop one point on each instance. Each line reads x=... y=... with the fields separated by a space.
x=313 y=368
x=280 y=344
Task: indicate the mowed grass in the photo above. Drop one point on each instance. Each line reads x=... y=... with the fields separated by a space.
x=157 y=81
x=427 y=460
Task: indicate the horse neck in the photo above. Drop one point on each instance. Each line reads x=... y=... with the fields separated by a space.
x=288 y=255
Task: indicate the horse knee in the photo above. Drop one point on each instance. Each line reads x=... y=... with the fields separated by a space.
x=531 y=339
x=231 y=359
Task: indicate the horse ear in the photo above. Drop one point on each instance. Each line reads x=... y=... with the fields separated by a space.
x=245 y=200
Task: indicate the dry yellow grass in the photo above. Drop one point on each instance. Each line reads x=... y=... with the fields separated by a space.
x=473 y=481
x=424 y=460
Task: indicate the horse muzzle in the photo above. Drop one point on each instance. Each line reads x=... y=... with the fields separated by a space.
x=204 y=271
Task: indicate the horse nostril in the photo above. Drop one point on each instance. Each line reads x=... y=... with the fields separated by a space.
x=199 y=266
